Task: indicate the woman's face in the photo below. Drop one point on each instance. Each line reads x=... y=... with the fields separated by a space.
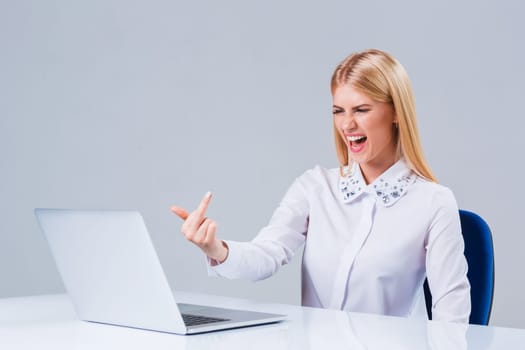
x=367 y=128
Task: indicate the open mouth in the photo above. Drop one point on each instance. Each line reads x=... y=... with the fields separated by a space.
x=356 y=139
x=356 y=142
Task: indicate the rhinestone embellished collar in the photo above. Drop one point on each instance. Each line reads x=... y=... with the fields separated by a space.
x=387 y=188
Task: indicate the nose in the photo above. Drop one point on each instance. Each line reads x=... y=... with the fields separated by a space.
x=348 y=122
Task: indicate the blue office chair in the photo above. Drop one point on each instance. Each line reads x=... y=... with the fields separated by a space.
x=479 y=252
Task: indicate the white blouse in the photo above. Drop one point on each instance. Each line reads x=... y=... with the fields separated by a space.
x=368 y=248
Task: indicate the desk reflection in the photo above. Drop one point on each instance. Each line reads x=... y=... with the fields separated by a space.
x=50 y=322
x=340 y=330
x=264 y=337
x=329 y=329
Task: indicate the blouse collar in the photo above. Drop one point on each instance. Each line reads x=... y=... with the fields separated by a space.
x=389 y=187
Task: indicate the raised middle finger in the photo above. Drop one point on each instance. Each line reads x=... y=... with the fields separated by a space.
x=197 y=217
x=203 y=206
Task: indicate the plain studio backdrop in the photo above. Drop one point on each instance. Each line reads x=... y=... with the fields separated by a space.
x=114 y=104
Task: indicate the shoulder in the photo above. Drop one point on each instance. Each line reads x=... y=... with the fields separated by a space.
x=315 y=182
x=318 y=179
x=436 y=195
x=319 y=175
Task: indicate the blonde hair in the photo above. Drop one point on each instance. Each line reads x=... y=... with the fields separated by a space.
x=380 y=76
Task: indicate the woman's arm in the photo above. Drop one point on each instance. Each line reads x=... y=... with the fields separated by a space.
x=275 y=244
x=445 y=261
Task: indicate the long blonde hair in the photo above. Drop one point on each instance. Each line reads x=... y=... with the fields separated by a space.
x=380 y=76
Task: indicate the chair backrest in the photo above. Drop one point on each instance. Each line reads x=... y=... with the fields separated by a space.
x=479 y=253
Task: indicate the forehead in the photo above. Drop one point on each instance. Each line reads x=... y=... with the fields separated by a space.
x=347 y=95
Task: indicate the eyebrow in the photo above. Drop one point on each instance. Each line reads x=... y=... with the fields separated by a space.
x=354 y=108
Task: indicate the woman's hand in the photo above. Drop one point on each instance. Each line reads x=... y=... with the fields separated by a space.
x=200 y=230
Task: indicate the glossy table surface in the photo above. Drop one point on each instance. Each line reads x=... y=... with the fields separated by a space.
x=49 y=322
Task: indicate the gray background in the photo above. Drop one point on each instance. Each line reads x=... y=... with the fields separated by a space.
x=140 y=105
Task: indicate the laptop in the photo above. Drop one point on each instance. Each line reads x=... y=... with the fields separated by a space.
x=113 y=275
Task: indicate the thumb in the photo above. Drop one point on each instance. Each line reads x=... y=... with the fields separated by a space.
x=180 y=212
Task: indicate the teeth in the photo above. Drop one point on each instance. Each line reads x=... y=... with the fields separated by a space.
x=355 y=138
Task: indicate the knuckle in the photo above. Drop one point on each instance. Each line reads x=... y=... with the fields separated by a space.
x=208 y=243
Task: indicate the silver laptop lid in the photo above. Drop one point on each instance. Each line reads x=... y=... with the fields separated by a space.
x=110 y=268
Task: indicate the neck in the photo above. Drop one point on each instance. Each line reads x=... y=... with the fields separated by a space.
x=371 y=171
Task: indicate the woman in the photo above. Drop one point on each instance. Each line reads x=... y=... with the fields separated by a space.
x=373 y=228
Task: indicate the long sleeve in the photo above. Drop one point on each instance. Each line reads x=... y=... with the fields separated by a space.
x=368 y=246
x=275 y=244
x=445 y=262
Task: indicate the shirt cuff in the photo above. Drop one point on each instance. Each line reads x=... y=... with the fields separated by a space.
x=229 y=266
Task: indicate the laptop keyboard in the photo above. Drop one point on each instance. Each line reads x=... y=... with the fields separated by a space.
x=195 y=320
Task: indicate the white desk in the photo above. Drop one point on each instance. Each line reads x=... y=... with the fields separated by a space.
x=49 y=322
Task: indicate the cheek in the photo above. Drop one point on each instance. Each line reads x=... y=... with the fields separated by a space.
x=382 y=126
x=381 y=133
x=337 y=123
x=342 y=136
x=338 y=127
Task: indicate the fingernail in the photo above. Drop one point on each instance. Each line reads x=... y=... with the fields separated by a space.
x=208 y=193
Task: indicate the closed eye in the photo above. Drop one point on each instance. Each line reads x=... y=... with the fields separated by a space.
x=362 y=108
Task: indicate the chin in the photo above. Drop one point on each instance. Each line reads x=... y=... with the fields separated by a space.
x=359 y=159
